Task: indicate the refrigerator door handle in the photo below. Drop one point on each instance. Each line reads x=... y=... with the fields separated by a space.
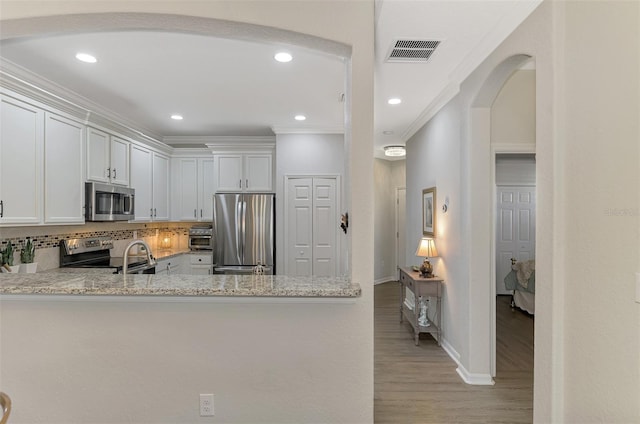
x=240 y=229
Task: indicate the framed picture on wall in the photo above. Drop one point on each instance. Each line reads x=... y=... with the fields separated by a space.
x=429 y=211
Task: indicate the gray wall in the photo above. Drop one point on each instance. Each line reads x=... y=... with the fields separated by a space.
x=388 y=177
x=308 y=154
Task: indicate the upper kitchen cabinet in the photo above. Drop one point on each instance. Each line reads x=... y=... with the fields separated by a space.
x=63 y=176
x=107 y=158
x=41 y=167
x=21 y=145
x=246 y=172
x=150 y=179
x=160 y=187
x=193 y=188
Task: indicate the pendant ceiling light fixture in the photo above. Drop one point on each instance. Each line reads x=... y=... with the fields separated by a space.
x=395 y=151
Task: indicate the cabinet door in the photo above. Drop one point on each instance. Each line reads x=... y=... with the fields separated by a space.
x=200 y=270
x=141 y=180
x=229 y=172
x=162 y=266
x=119 y=161
x=187 y=195
x=160 y=187
x=97 y=155
x=206 y=168
x=257 y=172
x=63 y=177
x=21 y=143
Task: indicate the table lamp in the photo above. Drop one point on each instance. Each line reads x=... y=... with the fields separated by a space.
x=426 y=249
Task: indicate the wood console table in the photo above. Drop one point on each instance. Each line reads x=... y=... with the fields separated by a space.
x=425 y=287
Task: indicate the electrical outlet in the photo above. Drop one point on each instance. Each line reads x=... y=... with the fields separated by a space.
x=206 y=405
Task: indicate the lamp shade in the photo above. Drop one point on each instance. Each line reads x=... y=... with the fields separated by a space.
x=427 y=248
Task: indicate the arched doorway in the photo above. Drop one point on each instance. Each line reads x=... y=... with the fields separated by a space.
x=480 y=131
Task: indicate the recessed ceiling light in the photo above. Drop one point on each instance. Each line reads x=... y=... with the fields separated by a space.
x=387 y=132
x=283 y=57
x=395 y=151
x=394 y=101
x=85 y=57
x=177 y=117
x=300 y=117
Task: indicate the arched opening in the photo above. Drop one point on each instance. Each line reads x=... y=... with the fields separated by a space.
x=352 y=318
x=175 y=30
x=500 y=144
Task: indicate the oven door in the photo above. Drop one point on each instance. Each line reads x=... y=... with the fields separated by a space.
x=200 y=242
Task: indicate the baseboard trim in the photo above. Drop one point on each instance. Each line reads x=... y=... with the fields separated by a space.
x=467 y=377
x=384 y=280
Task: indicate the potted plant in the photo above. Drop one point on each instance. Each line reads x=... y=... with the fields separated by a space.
x=27 y=255
x=6 y=256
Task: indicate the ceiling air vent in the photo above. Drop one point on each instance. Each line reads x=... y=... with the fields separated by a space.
x=412 y=50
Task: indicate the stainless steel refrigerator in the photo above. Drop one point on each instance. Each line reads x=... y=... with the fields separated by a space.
x=244 y=230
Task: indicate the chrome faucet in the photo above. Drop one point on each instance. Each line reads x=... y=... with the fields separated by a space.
x=150 y=260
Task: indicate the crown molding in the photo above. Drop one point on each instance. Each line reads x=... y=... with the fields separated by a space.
x=219 y=140
x=469 y=64
x=182 y=152
x=492 y=40
x=51 y=95
x=339 y=129
x=48 y=99
x=448 y=93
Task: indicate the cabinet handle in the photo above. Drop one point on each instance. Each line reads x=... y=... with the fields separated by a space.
x=114 y=173
x=194 y=214
x=200 y=213
x=151 y=213
x=246 y=184
x=241 y=183
x=1 y=208
x=108 y=172
x=154 y=212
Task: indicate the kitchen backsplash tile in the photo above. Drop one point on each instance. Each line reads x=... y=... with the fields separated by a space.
x=47 y=242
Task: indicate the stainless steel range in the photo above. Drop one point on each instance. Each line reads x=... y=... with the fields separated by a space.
x=96 y=253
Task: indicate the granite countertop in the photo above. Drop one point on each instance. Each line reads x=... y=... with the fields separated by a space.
x=90 y=283
x=170 y=253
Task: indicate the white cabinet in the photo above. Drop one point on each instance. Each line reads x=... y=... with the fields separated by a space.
x=142 y=182
x=160 y=187
x=248 y=172
x=21 y=145
x=107 y=158
x=41 y=166
x=170 y=266
x=194 y=186
x=63 y=176
x=200 y=263
x=150 y=179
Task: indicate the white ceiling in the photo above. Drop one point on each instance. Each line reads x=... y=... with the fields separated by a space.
x=228 y=87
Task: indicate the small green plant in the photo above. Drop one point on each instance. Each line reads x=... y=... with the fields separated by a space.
x=7 y=255
x=28 y=252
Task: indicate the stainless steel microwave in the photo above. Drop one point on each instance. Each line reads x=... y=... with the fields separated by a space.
x=106 y=202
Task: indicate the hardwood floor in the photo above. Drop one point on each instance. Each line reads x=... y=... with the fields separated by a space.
x=419 y=384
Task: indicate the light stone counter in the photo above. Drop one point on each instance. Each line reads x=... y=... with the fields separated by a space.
x=94 y=283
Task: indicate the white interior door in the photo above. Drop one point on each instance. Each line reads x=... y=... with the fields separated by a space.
x=311 y=227
x=324 y=227
x=515 y=229
x=401 y=232
x=299 y=223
